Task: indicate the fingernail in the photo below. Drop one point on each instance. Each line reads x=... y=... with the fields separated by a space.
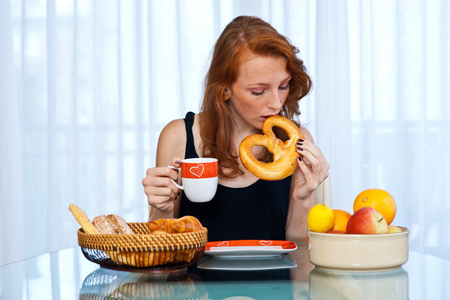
x=300 y=140
x=299 y=158
x=299 y=143
x=178 y=163
x=300 y=149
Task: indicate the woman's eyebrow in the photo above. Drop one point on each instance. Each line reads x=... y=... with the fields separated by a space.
x=267 y=84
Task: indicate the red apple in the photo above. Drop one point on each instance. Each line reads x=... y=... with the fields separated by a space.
x=367 y=220
x=337 y=231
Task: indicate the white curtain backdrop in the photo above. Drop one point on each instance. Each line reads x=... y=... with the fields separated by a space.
x=87 y=85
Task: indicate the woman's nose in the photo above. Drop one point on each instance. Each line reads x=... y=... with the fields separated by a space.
x=275 y=101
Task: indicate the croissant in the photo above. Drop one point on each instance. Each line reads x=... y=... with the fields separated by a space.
x=181 y=225
x=186 y=224
x=160 y=226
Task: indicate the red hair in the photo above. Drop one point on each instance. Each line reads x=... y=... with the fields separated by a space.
x=240 y=37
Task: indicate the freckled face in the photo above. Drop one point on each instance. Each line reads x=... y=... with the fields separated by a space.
x=260 y=90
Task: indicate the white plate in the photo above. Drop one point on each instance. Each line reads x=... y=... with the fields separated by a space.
x=249 y=248
x=247 y=264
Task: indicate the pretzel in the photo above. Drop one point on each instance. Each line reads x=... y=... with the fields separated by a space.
x=284 y=153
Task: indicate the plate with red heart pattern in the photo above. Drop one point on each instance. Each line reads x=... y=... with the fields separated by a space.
x=249 y=248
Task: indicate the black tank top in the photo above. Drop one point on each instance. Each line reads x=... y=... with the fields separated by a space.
x=258 y=211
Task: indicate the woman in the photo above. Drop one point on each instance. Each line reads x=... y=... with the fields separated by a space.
x=254 y=74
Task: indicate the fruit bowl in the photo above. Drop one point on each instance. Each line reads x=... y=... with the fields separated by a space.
x=364 y=252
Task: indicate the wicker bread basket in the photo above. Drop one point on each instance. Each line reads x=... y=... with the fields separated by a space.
x=143 y=249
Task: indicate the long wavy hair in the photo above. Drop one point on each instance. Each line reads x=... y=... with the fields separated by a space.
x=240 y=37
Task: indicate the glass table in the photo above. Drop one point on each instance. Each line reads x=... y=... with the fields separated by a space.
x=67 y=274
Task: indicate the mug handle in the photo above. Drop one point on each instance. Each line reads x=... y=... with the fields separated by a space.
x=178 y=186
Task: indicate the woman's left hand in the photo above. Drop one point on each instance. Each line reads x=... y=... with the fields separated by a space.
x=312 y=169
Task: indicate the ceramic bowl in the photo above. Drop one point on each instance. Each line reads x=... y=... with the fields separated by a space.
x=359 y=251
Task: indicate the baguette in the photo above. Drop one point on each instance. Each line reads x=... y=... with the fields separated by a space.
x=83 y=220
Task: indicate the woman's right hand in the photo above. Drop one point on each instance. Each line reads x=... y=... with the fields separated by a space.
x=160 y=189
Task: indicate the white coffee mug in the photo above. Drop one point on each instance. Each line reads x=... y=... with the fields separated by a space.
x=199 y=177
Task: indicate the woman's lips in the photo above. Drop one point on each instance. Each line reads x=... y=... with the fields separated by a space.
x=268 y=116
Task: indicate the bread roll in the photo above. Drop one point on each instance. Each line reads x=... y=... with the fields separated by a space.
x=111 y=224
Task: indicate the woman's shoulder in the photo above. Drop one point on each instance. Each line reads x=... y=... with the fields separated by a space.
x=172 y=139
x=173 y=128
x=177 y=126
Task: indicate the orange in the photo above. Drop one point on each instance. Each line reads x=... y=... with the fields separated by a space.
x=320 y=218
x=340 y=219
x=381 y=200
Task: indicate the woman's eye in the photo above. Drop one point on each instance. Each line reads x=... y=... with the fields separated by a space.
x=284 y=87
x=258 y=92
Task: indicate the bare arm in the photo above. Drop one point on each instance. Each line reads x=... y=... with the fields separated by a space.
x=161 y=192
x=312 y=170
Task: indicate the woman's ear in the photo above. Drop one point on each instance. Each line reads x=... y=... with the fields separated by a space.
x=227 y=94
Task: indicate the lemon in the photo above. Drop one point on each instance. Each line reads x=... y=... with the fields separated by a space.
x=320 y=218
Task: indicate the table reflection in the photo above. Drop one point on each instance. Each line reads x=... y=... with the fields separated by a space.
x=67 y=274
x=109 y=284
x=328 y=284
x=279 y=277
x=252 y=278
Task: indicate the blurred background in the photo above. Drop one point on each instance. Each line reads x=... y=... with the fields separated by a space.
x=87 y=85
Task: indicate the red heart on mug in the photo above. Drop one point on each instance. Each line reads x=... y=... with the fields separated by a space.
x=198 y=170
